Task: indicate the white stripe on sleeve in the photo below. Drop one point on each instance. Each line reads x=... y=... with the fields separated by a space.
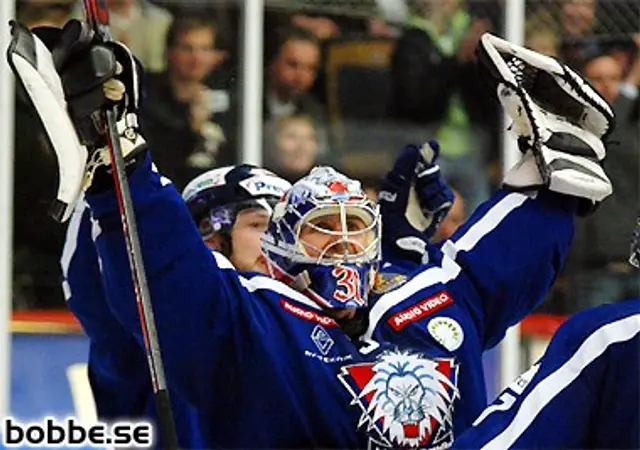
x=449 y=269
x=70 y=244
x=594 y=346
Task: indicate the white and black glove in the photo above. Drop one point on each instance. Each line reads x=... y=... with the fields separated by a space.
x=560 y=120
x=70 y=77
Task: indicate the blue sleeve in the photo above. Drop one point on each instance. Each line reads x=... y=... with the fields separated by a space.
x=497 y=267
x=508 y=255
x=581 y=394
x=117 y=365
x=200 y=305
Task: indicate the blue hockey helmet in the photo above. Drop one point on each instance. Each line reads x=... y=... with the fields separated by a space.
x=215 y=197
x=340 y=274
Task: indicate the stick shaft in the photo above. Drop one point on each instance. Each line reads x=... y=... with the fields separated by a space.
x=138 y=275
x=97 y=16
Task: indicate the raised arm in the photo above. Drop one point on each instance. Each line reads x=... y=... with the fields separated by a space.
x=117 y=365
x=507 y=256
x=197 y=296
x=199 y=301
x=502 y=262
x=497 y=266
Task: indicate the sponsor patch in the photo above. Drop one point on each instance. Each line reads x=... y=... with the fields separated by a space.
x=265 y=185
x=420 y=310
x=308 y=314
x=321 y=338
x=447 y=332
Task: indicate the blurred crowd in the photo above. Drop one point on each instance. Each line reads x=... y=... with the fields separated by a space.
x=348 y=83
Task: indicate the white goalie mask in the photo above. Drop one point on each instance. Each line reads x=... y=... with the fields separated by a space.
x=324 y=239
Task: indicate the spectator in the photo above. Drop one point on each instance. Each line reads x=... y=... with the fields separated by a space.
x=190 y=126
x=291 y=146
x=44 y=13
x=577 y=27
x=605 y=74
x=597 y=268
x=327 y=28
x=291 y=74
x=141 y=25
x=454 y=218
x=584 y=24
x=541 y=33
x=578 y=17
x=434 y=88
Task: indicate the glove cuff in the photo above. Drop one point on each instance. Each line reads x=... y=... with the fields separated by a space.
x=98 y=173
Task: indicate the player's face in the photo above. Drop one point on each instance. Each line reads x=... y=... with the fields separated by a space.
x=247 y=230
x=325 y=236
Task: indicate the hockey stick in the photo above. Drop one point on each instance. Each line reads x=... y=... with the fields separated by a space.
x=97 y=16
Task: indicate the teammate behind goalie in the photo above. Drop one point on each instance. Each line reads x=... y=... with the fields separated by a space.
x=582 y=393
x=231 y=206
x=244 y=349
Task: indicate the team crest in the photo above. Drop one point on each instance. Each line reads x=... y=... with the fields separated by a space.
x=406 y=400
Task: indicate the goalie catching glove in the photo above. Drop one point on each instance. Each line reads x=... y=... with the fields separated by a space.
x=70 y=77
x=560 y=120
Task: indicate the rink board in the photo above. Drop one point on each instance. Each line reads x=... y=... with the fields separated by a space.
x=48 y=367
x=40 y=385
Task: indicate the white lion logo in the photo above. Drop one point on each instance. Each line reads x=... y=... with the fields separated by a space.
x=409 y=392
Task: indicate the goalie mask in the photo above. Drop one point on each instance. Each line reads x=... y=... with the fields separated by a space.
x=324 y=239
x=215 y=197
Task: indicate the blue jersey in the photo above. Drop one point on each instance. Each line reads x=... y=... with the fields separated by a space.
x=486 y=278
x=583 y=393
x=114 y=352
x=265 y=367
x=117 y=366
